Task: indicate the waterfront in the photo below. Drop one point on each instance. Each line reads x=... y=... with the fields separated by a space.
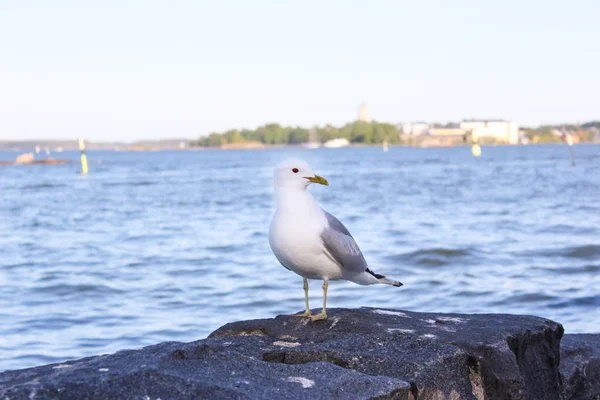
x=164 y=246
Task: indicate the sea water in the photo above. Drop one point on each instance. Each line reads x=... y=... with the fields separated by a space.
x=168 y=246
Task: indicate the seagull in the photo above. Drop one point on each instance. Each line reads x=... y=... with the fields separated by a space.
x=310 y=241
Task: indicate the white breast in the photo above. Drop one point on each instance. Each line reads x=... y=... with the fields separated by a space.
x=296 y=242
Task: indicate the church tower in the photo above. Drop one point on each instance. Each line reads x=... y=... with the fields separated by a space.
x=363 y=113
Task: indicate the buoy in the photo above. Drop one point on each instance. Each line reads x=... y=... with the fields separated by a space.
x=84 y=163
x=570 y=143
x=475 y=148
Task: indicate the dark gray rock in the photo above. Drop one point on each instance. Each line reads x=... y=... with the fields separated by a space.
x=217 y=368
x=355 y=354
x=580 y=365
x=442 y=355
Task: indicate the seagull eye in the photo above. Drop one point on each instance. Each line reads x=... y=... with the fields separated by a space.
x=295 y=170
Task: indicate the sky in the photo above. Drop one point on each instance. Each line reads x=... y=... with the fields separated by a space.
x=130 y=70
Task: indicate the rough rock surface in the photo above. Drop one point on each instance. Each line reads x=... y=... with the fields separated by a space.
x=362 y=353
x=580 y=366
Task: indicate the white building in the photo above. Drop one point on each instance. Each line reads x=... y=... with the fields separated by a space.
x=446 y=132
x=501 y=130
x=415 y=128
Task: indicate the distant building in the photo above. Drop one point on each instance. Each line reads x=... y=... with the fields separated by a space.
x=447 y=132
x=414 y=128
x=504 y=131
x=595 y=132
x=523 y=139
x=498 y=130
x=363 y=113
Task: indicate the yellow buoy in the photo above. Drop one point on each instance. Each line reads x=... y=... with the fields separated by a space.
x=475 y=148
x=84 y=163
x=570 y=143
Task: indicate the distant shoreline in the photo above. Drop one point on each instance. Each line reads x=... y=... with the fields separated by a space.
x=14 y=149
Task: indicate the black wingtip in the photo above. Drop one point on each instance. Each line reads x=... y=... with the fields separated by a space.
x=378 y=276
x=383 y=279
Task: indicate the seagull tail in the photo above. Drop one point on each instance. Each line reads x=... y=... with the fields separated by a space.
x=384 y=280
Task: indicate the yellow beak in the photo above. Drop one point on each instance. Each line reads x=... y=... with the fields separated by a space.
x=318 y=179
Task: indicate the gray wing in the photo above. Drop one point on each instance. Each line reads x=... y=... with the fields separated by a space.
x=341 y=245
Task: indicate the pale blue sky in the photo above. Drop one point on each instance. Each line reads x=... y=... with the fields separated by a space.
x=125 y=70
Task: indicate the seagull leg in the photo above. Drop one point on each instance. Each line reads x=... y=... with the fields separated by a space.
x=306 y=313
x=323 y=313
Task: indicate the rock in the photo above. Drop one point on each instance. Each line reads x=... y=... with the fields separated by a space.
x=441 y=355
x=28 y=159
x=25 y=158
x=355 y=354
x=249 y=145
x=51 y=161
x=580 y=366
x=216 y=368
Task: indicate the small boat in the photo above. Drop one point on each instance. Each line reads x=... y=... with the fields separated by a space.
x=312 y=143
x=336 y=143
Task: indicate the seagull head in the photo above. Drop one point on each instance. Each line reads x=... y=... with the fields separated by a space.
x=296 y=174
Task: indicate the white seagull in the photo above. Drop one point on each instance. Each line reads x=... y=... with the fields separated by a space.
x=311 y=242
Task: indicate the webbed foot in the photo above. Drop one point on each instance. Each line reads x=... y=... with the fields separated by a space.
x=305 y=314
x=321 y=316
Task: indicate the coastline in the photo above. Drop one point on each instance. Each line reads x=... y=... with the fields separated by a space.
x=5 y=148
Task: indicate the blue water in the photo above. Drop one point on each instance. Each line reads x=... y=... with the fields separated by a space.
x=168 y=246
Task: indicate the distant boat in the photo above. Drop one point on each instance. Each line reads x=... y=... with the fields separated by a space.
x=569 y=140
x=336 y=143
x=312 y=143
x=37 y=149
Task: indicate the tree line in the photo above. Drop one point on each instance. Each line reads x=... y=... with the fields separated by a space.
x=275 y=134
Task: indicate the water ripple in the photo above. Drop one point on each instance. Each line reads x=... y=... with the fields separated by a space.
x=165 y=246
